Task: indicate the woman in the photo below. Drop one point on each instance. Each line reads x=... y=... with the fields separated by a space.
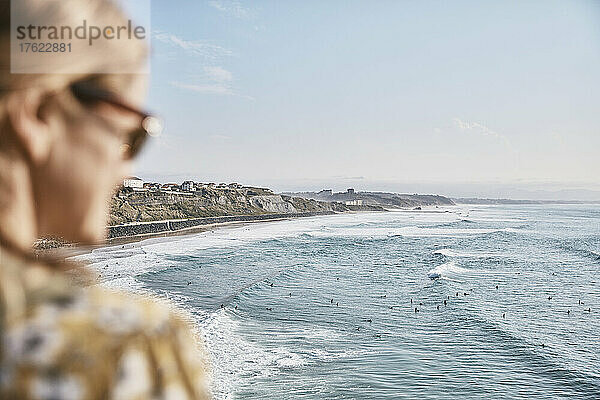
x=66 y=142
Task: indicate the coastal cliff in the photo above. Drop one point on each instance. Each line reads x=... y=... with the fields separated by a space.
x=130 y=206
x=156 y=211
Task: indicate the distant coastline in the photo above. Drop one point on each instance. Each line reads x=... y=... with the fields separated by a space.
x=382 y=199
x=141 y=209
x=476 y=200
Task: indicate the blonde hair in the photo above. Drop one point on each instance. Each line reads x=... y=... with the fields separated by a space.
x=68 y=13
x=102 y=56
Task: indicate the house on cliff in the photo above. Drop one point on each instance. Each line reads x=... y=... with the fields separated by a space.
x=133 y=182
x=188 y=186
x=170 y=187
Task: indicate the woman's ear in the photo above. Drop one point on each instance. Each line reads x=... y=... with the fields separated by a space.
x=30 y=130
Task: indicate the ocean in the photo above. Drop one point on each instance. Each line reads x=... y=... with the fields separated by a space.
x=345 y=307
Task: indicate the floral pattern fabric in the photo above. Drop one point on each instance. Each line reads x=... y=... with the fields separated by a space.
x=66 y=341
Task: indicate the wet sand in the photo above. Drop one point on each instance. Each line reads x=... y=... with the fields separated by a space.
x=131 y=241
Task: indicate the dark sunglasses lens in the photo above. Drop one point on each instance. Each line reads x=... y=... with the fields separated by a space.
x=87 y=94
x=136 y=142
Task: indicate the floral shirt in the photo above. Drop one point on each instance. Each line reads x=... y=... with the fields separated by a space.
x=65 y=341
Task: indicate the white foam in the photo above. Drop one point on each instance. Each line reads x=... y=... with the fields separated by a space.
x=121 y=272
x=234 y=359
x=454 y=253
x=415 y=231
x=321 y=354
x=498 y=219
x=449 y=269
x=314 y=334
x=523 y=231
x=140 y=257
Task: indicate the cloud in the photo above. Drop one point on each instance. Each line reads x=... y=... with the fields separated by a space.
x=210 y=88
x=480 y=129
x=213 y=79
x=194 y=47
x=233 y=8
x=218 y=74
x=213 y=88
x=216 y=80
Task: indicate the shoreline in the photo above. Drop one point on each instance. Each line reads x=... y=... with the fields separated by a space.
x=74 y=250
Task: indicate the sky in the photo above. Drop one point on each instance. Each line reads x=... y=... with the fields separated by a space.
x=462 y=98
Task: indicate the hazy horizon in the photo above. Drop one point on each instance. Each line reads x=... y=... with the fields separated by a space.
x=523 y=191
x=465 y=99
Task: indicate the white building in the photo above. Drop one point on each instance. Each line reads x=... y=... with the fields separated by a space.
x=133 y=182
x=357 y=202
x=188 y=186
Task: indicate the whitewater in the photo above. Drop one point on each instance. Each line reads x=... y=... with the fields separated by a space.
x=344 y=306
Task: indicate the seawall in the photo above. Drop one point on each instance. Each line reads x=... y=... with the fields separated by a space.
x=144 y=228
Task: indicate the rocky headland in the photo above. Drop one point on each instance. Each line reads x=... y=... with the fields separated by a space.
x=380 y=199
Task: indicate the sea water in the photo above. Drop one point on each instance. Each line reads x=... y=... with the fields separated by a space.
x=343 y=307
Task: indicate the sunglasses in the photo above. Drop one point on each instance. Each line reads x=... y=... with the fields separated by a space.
x=88 y=93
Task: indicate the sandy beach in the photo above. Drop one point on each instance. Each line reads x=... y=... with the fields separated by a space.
x=73 y=250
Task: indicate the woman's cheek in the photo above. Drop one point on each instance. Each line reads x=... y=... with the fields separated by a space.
x=92 y=184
